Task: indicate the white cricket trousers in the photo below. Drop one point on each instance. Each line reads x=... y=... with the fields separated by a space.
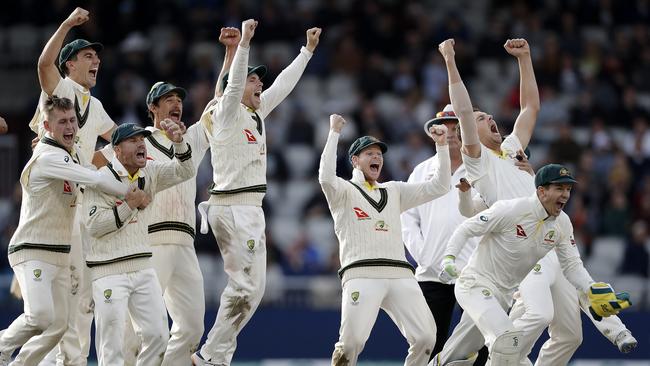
x=177 y=268
x=239 y=231
x=547 y=299
x=486 y=306
x=138 y=295
x=402 y=300
x=74 y=347
x=45 y=289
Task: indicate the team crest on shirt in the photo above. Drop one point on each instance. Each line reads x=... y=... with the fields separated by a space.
x=361 y=214
x=381 y=226
x=550 y=237
x=520 y=232
x=486 y=293
x=67 y=187
x=537 y=268
x=251 y=245
x=37 y=274
x=355 y=297
x=107 y=295
x=249 y=136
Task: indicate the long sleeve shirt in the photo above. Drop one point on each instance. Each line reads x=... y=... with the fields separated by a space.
x=426 y=229
x=516 y=234
x=118 y=234
x=367 y=219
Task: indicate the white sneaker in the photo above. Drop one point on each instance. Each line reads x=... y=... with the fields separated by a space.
x=625 y=341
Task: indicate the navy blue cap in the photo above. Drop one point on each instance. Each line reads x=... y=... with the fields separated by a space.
x=161 y=88
x=71 y=49
x=363 y=142
x=553 y=173
x=124 y=131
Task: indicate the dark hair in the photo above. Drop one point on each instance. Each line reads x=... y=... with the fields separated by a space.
x=64 y=68
x=53 y=102
x=149 y=113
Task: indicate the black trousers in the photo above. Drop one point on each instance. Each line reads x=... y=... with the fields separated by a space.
x=441 y=301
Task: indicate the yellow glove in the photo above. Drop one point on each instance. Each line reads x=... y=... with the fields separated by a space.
x=604 y=302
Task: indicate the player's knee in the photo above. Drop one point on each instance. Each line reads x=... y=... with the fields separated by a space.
x=41 y=319
x=155 y=338
x=506 y=349
x=571 y=339
x=541 y=318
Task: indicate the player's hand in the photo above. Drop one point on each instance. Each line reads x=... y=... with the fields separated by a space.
x=449 y=270
x=336 y=123
x=438 y=134
x=35 y=142
x=446 y=49
x=463 y=185
x=3 y=126
x=135 y=197
x=173 y=130
x=313 y=37
x=523 y=164
x=144 y=201
x=603 y=302
x=229 y=37
x=78 y=17
x=517 y=47
x=625 y=341
x=248 y=31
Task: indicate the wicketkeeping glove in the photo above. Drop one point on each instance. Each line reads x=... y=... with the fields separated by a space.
x=604 y=302
x=449 y=271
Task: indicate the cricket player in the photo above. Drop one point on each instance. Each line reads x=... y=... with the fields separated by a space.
x=39 y=251
x=238 y=146
x=71 y=72
x=124 y=282
x=516 y=234
x=491 y=169
x=374 y=271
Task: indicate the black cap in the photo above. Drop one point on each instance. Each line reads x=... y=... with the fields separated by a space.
x=363 y=142
x=124 y=131
x=260 y=70
x=161 y=88
x=553 y=173
x=75 y=46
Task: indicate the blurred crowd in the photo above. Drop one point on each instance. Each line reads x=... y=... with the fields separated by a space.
x=378 y=65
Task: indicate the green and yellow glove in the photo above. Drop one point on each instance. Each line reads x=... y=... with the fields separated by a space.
x=604 y=302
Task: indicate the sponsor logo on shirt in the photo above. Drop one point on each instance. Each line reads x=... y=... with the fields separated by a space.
x=250 y=137
x=483 y=218
x=520 y=232
x=381 y=226
x=361 y=214
x=549 y=237
x=67 y=187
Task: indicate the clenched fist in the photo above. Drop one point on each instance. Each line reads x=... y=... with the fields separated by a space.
x=517 y=47
x=248 y=31
x=230 y=36
x=173 y=130
x=446 y=48
x=313 y=37
x=336 y=123
x=78 y=17
x=438 y=134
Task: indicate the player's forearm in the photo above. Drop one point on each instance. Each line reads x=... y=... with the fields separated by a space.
x=101 y=219
x=575 y=272
x=227 y=62
x=327 y=166
x=466 y=203
x=48 y=72
x=178 y=170
x=236 y=80
x=81 y=175
x=457 y=241
x=463 y=109
x=285 y=82
x=528 y=91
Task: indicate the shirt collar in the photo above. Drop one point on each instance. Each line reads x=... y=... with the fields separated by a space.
x=78 y=86
x=539 y=212
x=359 y=178
x=123 y=173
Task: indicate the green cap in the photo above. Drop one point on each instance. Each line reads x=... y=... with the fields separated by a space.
x=363 y=142
x=161 y=88
x=75 y=46
x=260 y=70
x=553 y=173
x=124 y=131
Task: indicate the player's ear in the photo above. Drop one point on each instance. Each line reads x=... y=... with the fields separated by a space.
x=46 y=125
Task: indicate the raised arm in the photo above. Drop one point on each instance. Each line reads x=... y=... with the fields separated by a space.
x=288 y=78
x=230 y=38
x=48 y=72
x=528 y=91
x=461 y=102
x=468 y=204
x=181 y=168
x=438 y=181
x=329 y=182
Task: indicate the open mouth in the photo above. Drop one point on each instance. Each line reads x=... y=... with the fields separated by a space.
x=93 y=73
x=374 y=168
x=175 y=115
x=560 y=205
x=257 y=93
x=141 y=155
x=68 y=137
x=493 y=128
